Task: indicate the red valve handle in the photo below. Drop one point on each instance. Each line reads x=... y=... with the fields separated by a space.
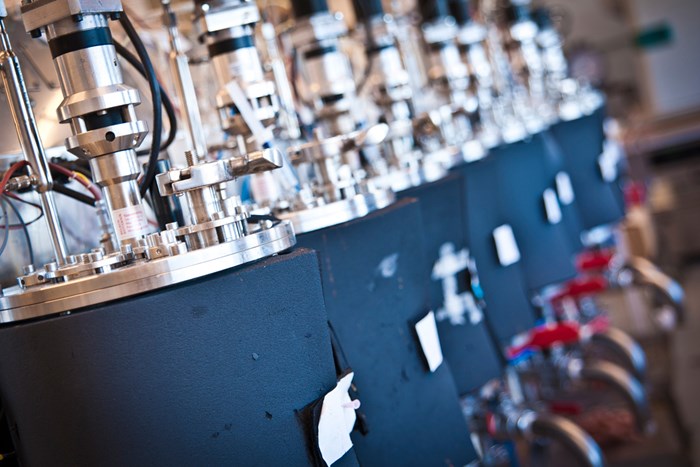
x=593 y=261
x=545 y=337
x=581 y=287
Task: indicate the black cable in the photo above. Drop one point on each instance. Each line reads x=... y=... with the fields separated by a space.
x=155 y=97
x=167 y=103
x=28 y=203
x=7 y=225
x=24 y=228
x=70 y=193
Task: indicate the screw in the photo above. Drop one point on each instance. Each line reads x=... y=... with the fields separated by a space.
x=189 y=157
x=96 y=256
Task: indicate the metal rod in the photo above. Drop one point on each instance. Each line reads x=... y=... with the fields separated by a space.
x=30 y=140
x=184 y=85
x=284 y=89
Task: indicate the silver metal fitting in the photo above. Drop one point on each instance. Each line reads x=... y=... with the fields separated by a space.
x=98 y=106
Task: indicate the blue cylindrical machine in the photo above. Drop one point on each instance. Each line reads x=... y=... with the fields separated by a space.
x=212 y=372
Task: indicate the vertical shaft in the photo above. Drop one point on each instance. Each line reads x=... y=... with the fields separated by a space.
x=184 y=85
x=30 y=140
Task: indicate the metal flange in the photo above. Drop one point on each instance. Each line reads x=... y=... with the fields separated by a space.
x=137 y=276
x=338 y=212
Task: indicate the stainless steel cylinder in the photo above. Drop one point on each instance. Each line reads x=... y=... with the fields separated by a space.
x=228 y=31
x=97 y=105
x=326 y=70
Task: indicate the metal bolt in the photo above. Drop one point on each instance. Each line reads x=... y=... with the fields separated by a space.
x=171 y=226
x=28 y=269
x=96 y=256
x=189 y=157
x=51 y=267
x=177 y=249
x=154 y=239
x=168 y=237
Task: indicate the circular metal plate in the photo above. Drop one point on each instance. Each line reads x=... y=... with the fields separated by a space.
x=321 y=217
x=143 y=276
x=400 y=180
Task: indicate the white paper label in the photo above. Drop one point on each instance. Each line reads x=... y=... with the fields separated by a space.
x=609 y=160
x=337 y=421
x=430 y=341
x=506 y=246
x=565 y=189
x=551 y=206
x=130 y=222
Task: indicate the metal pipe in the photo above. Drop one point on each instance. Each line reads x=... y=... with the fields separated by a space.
x=284 y=89
x=647 y=273
x=625 y=347
x=626 y=385
x=29 y=137
x=184 y=85
x=578 y=442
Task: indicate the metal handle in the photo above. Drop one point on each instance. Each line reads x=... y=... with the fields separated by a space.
x=578 y=442
x=625 y=347
x=625 y=384
x=647 y=274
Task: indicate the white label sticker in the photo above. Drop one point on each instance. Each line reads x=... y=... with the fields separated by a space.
x=130 y=222
x=430 y=341
x=506 y=246
x=551 y=206
x=565 y=189
x=337 y=421
x=609 y=160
